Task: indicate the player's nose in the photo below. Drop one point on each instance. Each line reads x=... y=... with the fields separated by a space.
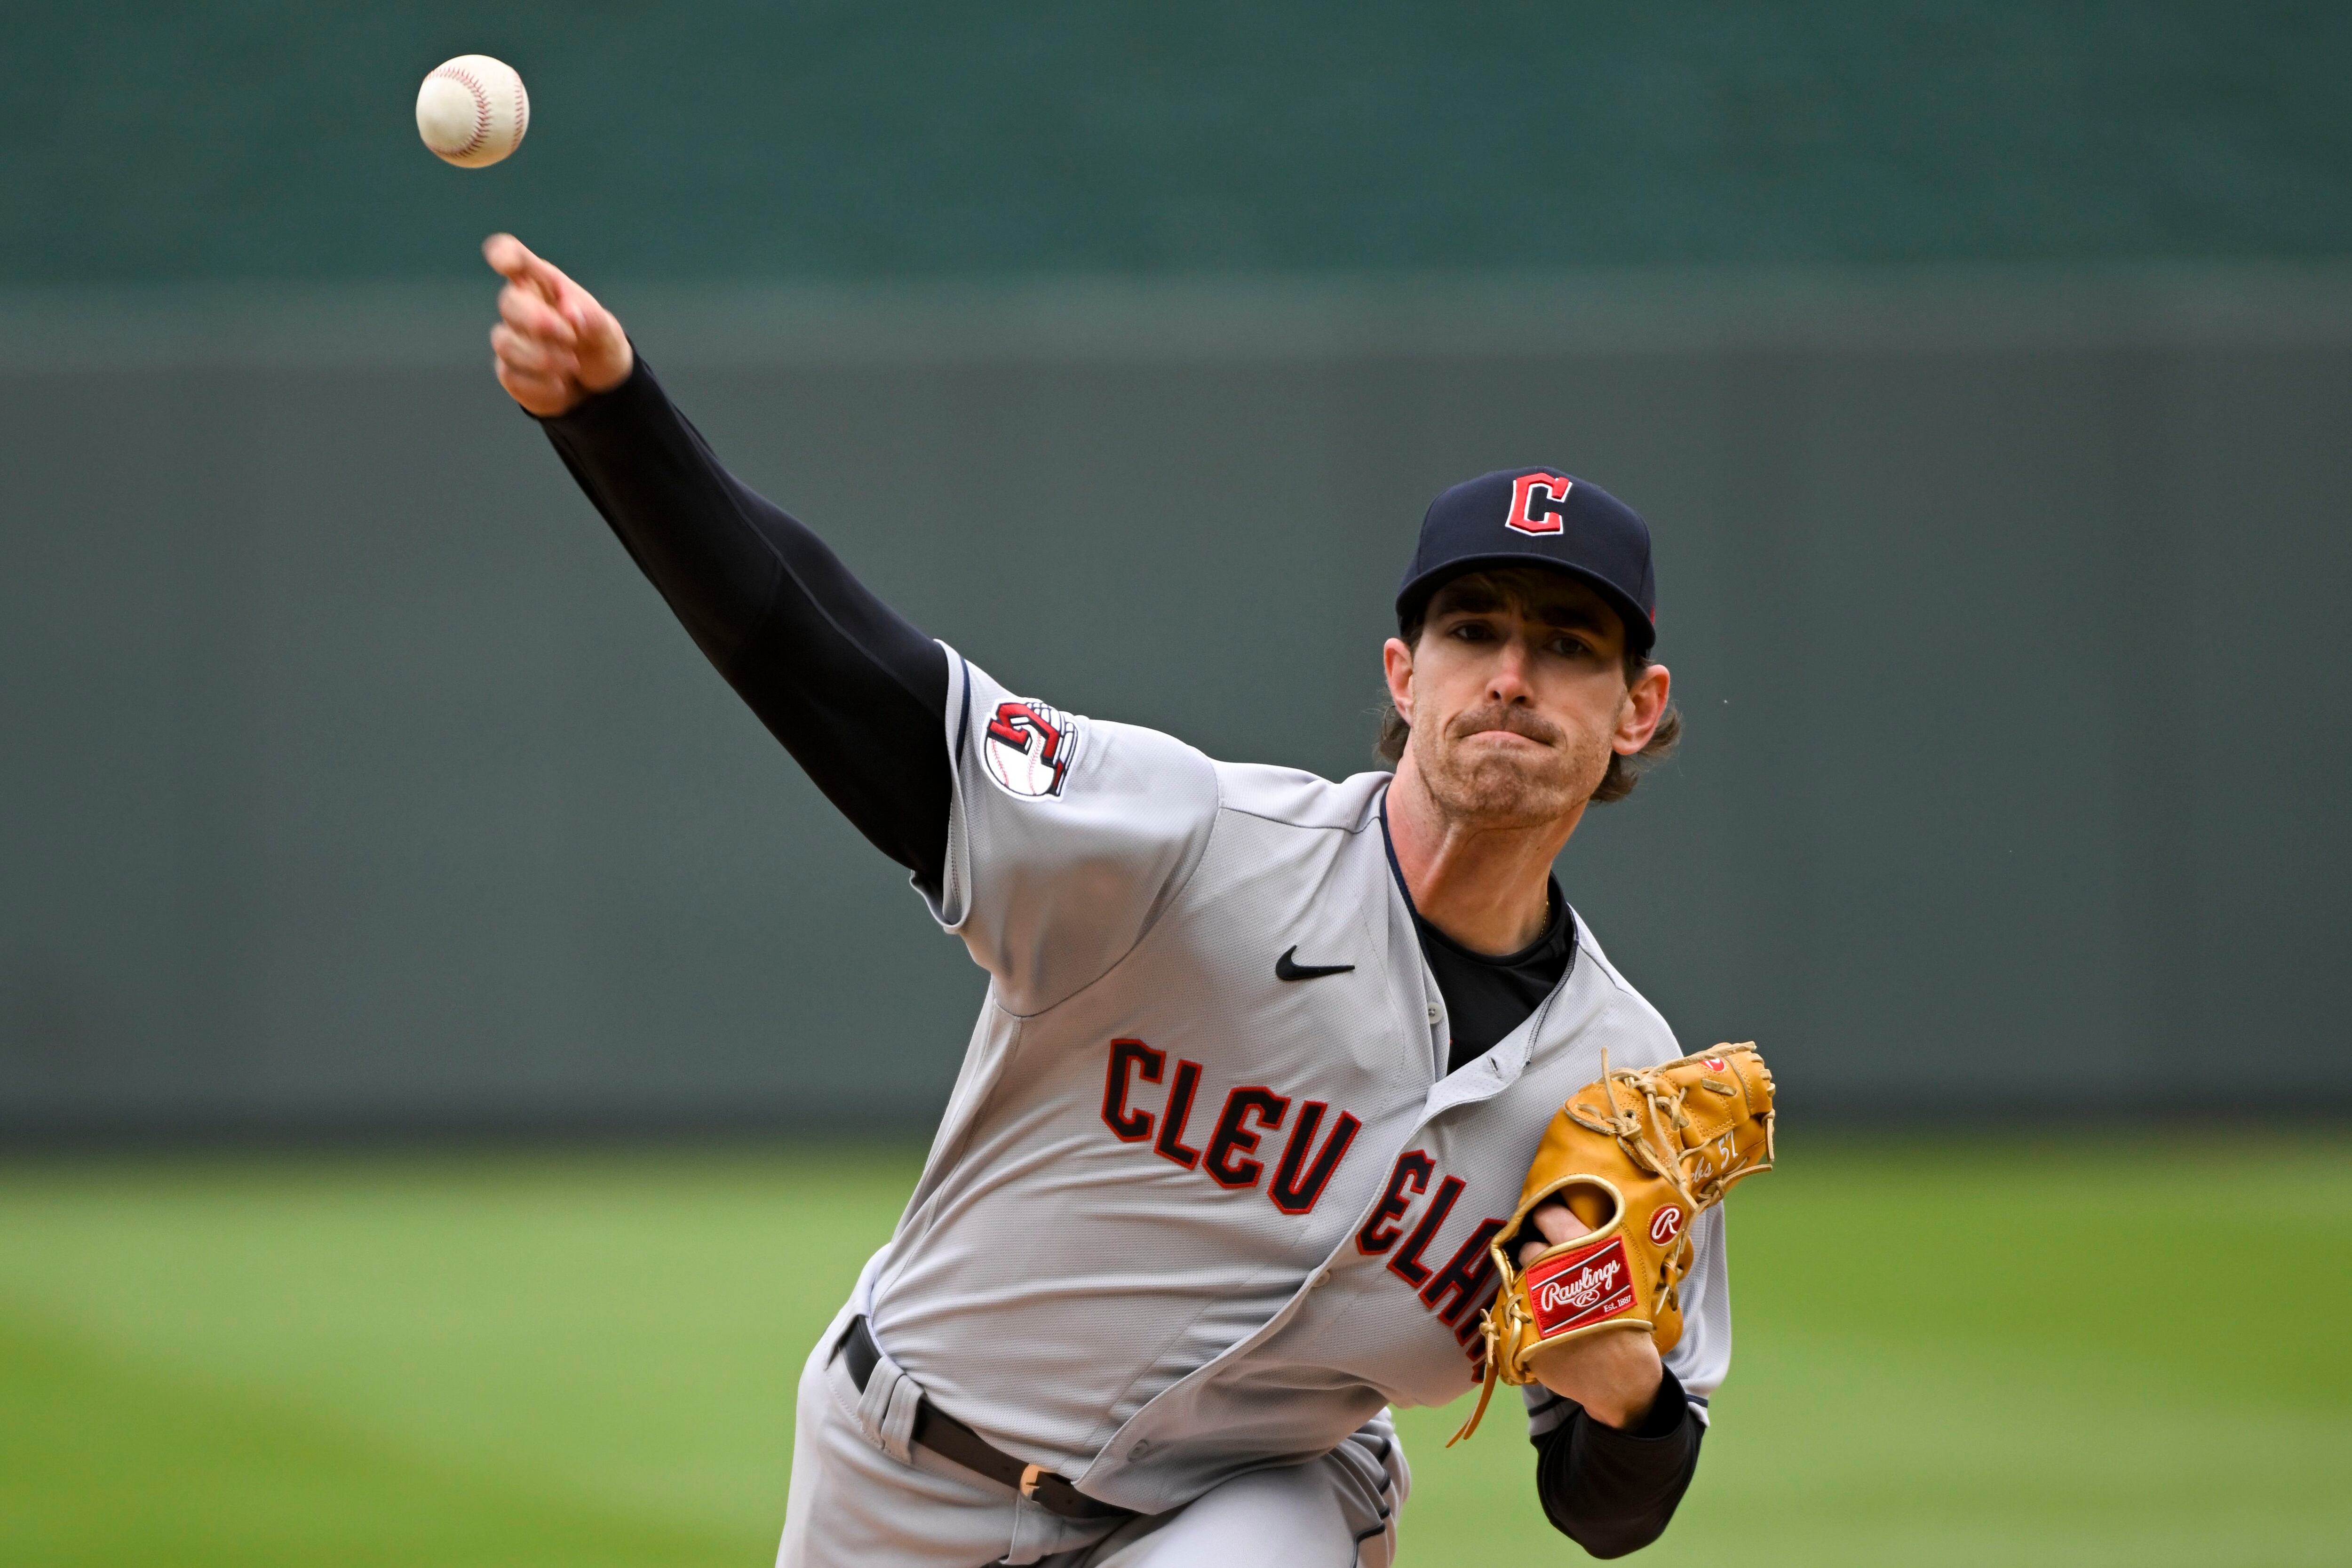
x=1507 y=681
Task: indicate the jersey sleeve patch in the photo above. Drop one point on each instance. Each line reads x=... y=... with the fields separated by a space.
x=1029 y=747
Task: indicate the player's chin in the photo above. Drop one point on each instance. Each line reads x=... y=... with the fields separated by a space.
x=1516 y=787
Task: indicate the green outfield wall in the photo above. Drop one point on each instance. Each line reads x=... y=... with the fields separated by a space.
x=740 y=139
x=354 y=779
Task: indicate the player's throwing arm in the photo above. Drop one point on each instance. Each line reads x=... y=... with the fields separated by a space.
x=1322 y=1029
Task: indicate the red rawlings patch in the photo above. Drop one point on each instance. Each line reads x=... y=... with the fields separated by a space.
x=1577 y=1290
x=1718 y=1064
x=1666 y=1224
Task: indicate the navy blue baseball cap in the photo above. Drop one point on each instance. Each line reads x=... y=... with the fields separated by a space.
x=1538 y=517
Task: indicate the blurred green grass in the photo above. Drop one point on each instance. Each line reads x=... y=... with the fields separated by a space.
x=2100 y=1351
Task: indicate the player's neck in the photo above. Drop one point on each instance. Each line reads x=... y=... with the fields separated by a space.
x=1486 y=887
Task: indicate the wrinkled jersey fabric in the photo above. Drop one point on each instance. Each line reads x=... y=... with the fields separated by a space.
x=1119 y=886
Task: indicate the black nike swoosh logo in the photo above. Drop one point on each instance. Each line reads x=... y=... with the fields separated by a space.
x=1284 y=969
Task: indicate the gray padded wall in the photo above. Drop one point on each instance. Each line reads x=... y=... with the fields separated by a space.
x=352 y=777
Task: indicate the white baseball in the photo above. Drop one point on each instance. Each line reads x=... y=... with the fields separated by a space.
x=472 y=110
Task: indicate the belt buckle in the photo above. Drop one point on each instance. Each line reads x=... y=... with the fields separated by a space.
x=1030 y=1476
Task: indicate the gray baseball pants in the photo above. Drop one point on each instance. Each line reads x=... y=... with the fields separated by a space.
x=862 y=1497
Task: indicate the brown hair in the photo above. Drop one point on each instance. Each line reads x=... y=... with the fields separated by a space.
x=1624 y=772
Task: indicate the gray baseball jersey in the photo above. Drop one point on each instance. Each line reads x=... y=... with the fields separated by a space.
x=1185 y=1217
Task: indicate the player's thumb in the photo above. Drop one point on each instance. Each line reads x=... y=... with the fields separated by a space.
x=599 y=329
x=605 y=356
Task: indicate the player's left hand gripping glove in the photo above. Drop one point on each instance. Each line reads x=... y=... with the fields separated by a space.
x=1637 y=1155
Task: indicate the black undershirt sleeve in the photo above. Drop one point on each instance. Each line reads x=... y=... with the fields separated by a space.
x=1615 y=1492
x=855 y=693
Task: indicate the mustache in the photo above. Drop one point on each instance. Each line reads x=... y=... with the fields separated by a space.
x=1498 y=716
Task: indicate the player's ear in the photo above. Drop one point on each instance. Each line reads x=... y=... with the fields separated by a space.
x=1646 y=705
x=1396 y=663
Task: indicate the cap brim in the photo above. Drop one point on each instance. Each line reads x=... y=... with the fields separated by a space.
x=1641 y=634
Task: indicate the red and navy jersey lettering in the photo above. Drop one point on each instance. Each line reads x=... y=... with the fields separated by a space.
x=1410 y=1176
x=1467 y=1275
x=1406 y=1263
x=1465 y=1285
x=1236 y=1155
x=1171 y=1142
x=1230 y=1145
x=1298 y=1182
x=1129 y=1060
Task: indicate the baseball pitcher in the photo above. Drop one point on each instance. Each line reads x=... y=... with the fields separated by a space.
x=1235 y=1160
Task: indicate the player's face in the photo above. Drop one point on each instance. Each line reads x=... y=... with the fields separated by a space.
x=1516 y=695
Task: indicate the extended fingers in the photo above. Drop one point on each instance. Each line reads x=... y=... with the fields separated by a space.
x=530 y=316
x=535 y=356
x=545 y=396
x=554 y=342
x=514 y=260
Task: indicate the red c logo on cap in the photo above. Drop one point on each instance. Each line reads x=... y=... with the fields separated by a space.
x=1536 y=500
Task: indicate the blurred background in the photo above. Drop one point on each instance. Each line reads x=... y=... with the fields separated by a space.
x=451 y=1062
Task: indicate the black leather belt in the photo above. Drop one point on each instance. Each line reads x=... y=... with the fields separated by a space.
x=951 y=1439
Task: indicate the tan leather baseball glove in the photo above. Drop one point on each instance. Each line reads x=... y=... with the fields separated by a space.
x=1637 y=1155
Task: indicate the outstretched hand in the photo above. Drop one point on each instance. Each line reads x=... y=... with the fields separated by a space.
x=556 y=346
x=1616 y=1375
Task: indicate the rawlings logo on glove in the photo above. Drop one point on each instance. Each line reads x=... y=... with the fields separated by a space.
x=1637 y=1155
x=1578 y=1289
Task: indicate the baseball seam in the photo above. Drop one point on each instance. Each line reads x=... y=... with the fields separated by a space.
x=481 y=109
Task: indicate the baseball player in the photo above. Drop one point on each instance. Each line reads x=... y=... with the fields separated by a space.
x=1263 y=1058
